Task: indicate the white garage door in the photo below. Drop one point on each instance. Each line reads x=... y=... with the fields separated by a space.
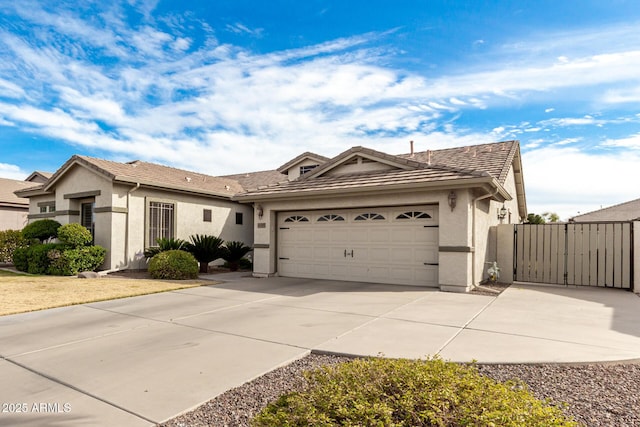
x=381 y=245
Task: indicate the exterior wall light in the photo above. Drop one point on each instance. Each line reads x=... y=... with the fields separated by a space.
x=452 y=200
x=259 y=211
x=502 y=213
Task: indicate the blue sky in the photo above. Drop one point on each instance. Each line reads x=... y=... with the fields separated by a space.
x=233 y=86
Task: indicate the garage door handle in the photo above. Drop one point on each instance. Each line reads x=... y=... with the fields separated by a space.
x=283 y=258
x=431 y=226
x=431 y=263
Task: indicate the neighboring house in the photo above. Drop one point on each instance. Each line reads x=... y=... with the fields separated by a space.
x=39 y=177
x=414 y=219
x=421 y=218
x=627 y=211
x=128 y=206
x=13 y=209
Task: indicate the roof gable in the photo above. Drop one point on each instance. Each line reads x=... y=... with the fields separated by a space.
x=302 y=158
x=361 y=160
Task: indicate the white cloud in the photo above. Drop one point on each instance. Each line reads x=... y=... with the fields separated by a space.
x=567 y=180
x=631 y=142
x=12 y=172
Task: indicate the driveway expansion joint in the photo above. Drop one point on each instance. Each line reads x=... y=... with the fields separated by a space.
x=79 y=390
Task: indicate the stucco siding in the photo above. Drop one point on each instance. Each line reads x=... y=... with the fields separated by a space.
x=188 y=220
x=12 y=218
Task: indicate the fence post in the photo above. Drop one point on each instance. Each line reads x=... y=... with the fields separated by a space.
x=635 y=250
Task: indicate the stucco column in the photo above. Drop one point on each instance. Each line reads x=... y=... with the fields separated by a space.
x=505 y=252
x=636 y=257
x=264 y=241
x=455 y=247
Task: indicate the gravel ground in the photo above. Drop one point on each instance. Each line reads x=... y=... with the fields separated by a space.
x=596 y=394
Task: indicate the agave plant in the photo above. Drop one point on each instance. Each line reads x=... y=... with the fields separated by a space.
x=233 y=253
x=205 y=249
x=164 y=245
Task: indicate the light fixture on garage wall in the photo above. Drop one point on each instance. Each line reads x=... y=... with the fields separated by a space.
x=259 y=211
x=502 y=213
x=452 y=200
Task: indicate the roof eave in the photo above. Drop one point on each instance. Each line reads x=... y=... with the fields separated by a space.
x=175 y=188
x=489 y=183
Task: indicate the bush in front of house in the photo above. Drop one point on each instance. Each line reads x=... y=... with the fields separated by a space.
x=164 y=245
x=384 y=392
x=74 y=235
x=10 y=240
x=70 y=262
x=41 y=230
x=38 y=257
x=67 y=258
x=20 y=259
x=233 y=252
x=205 y=248
x=173 y=264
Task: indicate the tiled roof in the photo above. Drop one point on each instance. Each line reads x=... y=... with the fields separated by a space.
x=7 y=196
x=338 y=183
x=480 y=161
x=496 y=158
x=152 y=174
x=253 y=180
x=39 y=176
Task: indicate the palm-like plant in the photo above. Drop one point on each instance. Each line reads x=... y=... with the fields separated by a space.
x=233 y=253
x=164 y=245
x=205 y=249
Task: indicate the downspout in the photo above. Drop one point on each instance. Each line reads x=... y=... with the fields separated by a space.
x=126 y=237
x=473 y=234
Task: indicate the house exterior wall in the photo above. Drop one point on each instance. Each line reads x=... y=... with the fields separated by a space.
x=294 y=171
x=188 y=220
x=12 y=218
x=454 y=229
x=121 y=214
x=486 y=243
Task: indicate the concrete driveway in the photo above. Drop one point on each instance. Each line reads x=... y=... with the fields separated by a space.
x=143 y=360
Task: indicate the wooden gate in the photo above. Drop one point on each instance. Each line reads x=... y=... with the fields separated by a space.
x=583 y=254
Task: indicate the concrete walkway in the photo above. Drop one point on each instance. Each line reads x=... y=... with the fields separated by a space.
x=143 y=360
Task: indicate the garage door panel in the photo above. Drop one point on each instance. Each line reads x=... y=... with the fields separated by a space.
x=379 y=255
x=382 y=251
x=337 y=235
x=380 y=235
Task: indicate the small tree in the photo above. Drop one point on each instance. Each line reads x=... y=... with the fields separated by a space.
x=42 y=230
x=233 y=252
x=205 y=249
x=535 y=219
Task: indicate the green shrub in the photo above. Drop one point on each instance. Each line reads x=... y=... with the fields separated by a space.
x=243 y=264
x=38 y=259
x=165 y=245
x=174 y=264
x=70 y=262
x=383 y=392
x=74 y=235
x=43 y=230
x=20 y=259
x=10 y=240
x=233 y=252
